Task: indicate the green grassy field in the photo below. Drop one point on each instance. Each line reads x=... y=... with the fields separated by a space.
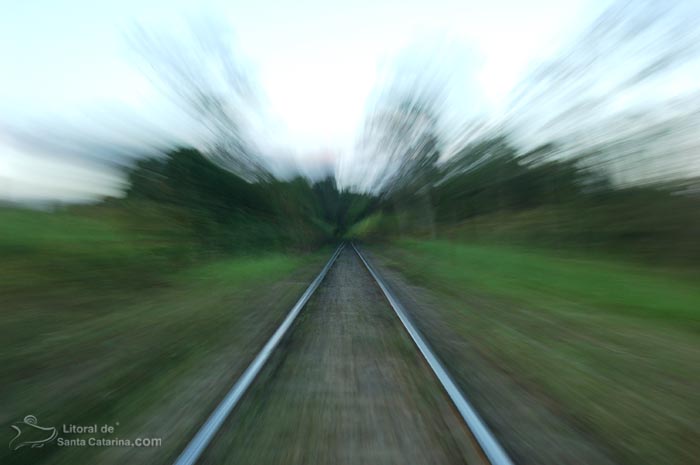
x=539 y=277
x=98 y=327
x=613 y=346
x=50 y=252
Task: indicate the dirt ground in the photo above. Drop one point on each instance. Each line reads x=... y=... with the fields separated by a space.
x=346 y=387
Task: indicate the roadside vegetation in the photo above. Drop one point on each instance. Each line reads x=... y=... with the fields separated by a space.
x=612 y=346
x=141 y=359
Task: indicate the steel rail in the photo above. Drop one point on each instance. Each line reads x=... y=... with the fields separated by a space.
x=486 y=440
x=208 y=430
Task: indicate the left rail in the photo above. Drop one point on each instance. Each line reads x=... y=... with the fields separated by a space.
x=208 y=430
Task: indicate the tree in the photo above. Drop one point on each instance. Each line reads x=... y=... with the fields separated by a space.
x=205 y=79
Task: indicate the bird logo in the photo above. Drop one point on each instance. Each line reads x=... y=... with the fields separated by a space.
x=32 y=434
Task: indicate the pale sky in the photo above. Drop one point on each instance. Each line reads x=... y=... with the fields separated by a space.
x=68 y=63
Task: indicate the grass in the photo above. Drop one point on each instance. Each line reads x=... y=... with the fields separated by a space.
x=86 y=364
x=532 y=275
x=43 y=251
x=614 y=346
x=98 y=327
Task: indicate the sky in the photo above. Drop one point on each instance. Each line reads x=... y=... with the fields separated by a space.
x=68 y=68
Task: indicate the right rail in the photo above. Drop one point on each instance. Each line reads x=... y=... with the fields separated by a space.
x=487 y=441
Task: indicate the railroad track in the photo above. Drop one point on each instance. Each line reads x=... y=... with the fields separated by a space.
x=489 y=448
